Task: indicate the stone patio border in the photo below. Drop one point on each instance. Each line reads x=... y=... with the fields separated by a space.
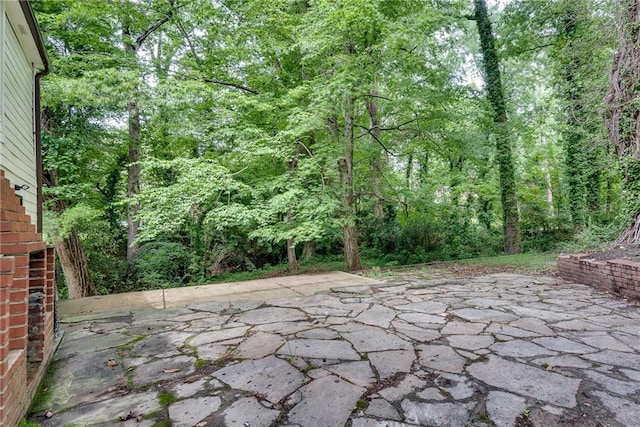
x=620 y=276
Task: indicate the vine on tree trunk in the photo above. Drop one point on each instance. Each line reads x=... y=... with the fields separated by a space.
x=622 y=112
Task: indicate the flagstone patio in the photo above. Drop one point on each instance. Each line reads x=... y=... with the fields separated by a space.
x=338 y=349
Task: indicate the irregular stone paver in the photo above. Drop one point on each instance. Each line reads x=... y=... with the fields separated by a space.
x=377 y=315
x=470 y=342
x=388 y=363
x=369 y=422
x=409 y=384
x=407 y=330
x=625 y=411
x=441 y=358
x=248 y=412
x=533 y=324
x=528 y=381
x=318 y=334
x=520 y=348
x=218 y=336
x=271 y=377
x=503 y=408
x=435 y=414
x=327 y=401
x=375 y=339
x=261 y=316
x=502 y=329
x=358 y=373
x=428 y=307
x=612 y=357
x=163 y=369
x=605 y=342
x=319 y=349
x=422 y=318
x=624 y=388
x=382 y=409
x=564 y=361
x=482 y=316
x=463 y=328
x=418 y=349
x=564 y=345
x=457 y=386
x=106 y=411
x=258 y=346
x=187 y=413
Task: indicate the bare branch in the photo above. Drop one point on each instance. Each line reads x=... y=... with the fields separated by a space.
x=370 y=132
x=231 y=84
x=153 y=28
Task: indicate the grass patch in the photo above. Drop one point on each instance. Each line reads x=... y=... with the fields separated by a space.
x=362 y=404
x=25 y=423
x=130 y=371
x=189 y=350
x=533 y=261
x=43 y=393
x=315 y=264
x=166 y=398
x=201 y=363
x=129 y=346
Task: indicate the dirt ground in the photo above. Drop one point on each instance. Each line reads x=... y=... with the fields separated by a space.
x=630 y=252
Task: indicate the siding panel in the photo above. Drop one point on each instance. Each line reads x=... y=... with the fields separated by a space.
x=17 y=147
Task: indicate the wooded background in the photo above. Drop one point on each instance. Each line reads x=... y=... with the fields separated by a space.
x=184 y=139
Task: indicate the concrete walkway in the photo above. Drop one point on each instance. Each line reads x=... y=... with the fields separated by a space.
x=250 y=290
x=498 y=350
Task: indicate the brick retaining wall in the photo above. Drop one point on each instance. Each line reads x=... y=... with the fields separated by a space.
x=619 y=276
x=27 y=294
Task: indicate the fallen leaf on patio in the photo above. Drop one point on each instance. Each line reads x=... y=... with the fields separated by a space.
x=111 y=363
x=192 y=379
x=201 y=424
x=170 y=371
x=48 y=414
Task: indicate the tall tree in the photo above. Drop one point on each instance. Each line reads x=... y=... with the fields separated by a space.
x=134 y=35
x=508 y=195
x=622 y=114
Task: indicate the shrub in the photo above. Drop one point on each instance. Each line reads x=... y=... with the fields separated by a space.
x=160 y=265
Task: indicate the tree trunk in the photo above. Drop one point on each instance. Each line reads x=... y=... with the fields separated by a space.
x=345 y=166
x=511 y=224
x=69 y=248
x=291 y=256
x=547 y=177
x=307 y=251
x=372 y=108
x=74 y=265
x=133 y=181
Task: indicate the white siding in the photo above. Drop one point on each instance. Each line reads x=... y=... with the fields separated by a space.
x=17 y=141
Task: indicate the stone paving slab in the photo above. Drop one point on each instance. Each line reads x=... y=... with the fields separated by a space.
x=336 y=349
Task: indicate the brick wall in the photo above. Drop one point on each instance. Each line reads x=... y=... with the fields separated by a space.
x=619 y=276
x=27 y=296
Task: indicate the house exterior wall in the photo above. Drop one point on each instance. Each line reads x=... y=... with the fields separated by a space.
x=27 y=265
x=17 y=142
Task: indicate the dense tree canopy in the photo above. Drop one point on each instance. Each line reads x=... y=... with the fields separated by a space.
x=184 y=139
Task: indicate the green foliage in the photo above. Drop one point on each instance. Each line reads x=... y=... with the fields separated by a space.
x=161 y=264
x=246 y=109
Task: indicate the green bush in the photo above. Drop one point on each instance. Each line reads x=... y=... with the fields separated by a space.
x=161 y=265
